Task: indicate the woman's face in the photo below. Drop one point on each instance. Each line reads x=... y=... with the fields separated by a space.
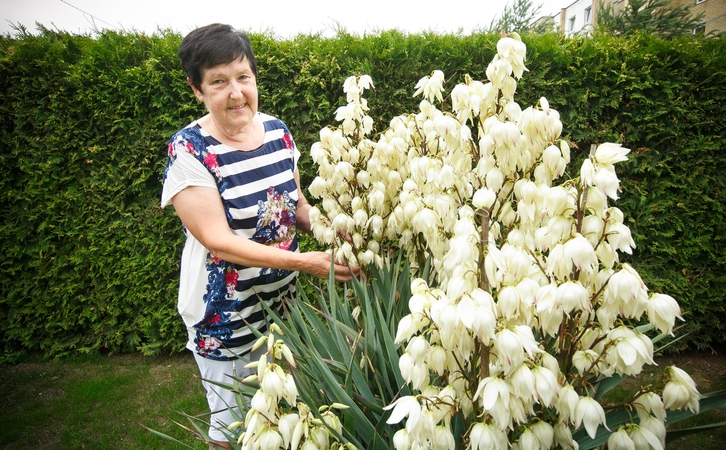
x=229 y=91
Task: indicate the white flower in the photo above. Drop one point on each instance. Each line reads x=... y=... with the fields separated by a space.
x=545 y=434
x=418 y=347
x=626 y=290
x=365 y=82
x=401 y=440
x=508 y=350
x=443 y=439
x=655 y=426
x=545 y=383
x=493 y=390
x=590 y=414
x=431 y=86
x=286 y=425
x=407 y=406
x=528 y=440
x=446 y=126
x=619 y=237
x=557 y=264
x=553 y=160
x=406 y=328
x=592 y=228
x=650 y=402
x=483 y=198
x=573 y=295
x=584 y=359
x=662 y=312
x=563 y=436
x=582 y=254
x=630 y=351
x=608 y=154
x=620 y=440
x=565 y=149
x=567 y=402
x=460 y=96
x=437 y=359
x=587 y=173
x=607 y=182
x=485 y=436
x=425 y=222
x=263 y=403
x=272 y=384
x=675 y=395
x=290 y=390
x=682 y=376
x=522 y=381
x=681 y=391
x=269 y=440
x=643 y=438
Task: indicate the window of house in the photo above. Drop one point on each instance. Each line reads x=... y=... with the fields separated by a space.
x=700 y=1
x=572 y=23
x=588 y=13
x=700 y=30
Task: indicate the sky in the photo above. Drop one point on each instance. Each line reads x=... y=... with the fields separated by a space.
x=283 y=18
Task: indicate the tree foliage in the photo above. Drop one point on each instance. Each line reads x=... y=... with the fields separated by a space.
x=653 y=16
x=517 y=16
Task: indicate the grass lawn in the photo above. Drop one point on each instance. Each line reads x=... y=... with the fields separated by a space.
x=99 y=402
x=102 y=402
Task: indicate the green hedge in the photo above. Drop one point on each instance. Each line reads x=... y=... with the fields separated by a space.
x=91 y=261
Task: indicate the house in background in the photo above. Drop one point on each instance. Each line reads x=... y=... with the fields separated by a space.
x=580 y=16
x=714 y=18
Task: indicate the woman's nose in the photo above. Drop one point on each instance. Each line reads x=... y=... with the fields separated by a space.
x=236 y=89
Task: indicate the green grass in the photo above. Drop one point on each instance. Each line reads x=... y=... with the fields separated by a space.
x=99 y=402
x=102 y=402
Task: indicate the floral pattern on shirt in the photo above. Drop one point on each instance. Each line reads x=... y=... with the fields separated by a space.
x=213 y=330
x=275 y=226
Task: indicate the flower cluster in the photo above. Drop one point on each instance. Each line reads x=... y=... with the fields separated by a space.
x=271 y=424
x=528 y=306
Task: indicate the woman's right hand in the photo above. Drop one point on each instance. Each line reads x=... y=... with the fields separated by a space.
x=320 y=267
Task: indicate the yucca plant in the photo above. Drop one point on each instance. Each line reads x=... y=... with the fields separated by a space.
x=345 y=352
x=513 y=312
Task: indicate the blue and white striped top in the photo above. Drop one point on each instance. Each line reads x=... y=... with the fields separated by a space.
x=259 y=194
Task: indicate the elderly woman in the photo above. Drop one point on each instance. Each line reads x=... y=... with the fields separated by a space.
x=232 y=178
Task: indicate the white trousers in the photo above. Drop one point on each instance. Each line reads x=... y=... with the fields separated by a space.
x=221 y=401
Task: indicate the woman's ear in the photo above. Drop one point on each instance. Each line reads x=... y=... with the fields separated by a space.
x=197 y=92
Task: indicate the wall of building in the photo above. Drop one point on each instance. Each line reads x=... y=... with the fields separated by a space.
x=572 y=18
x=714 y=13
x=575 y=18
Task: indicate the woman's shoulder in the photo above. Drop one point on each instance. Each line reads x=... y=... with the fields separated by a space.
x=272 y=122
x=189 y=139
x=192 y=129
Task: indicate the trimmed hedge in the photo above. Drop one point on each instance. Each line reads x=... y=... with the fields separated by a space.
x=91 y=261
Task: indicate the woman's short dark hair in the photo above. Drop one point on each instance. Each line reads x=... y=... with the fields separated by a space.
x=211 y=46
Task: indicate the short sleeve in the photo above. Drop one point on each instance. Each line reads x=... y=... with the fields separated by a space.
x=295 y=156
x=184 y=171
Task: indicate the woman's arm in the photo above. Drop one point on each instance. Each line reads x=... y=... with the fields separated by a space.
x=201 y=211
x=302 y=214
